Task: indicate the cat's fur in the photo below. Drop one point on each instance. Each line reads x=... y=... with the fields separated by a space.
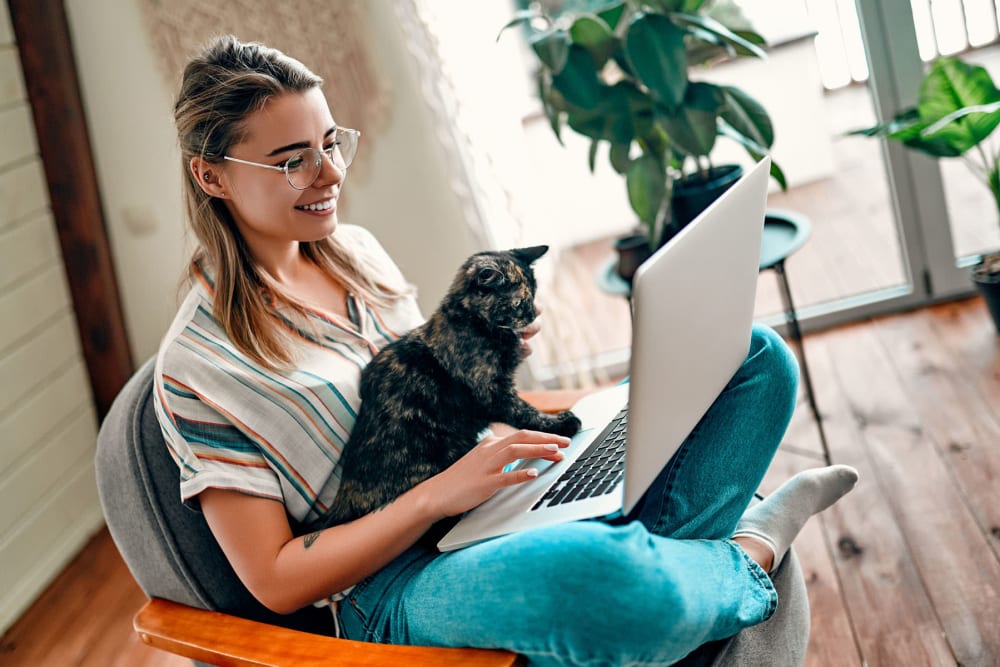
x=426 y=396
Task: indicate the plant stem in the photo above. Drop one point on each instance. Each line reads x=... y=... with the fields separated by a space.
x=982 y=154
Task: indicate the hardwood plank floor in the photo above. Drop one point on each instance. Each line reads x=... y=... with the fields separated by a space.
x=904 y=571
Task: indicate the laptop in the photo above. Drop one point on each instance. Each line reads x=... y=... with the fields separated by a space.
x=692 y=312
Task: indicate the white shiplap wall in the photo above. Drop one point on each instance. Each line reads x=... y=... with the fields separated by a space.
x=48 y=497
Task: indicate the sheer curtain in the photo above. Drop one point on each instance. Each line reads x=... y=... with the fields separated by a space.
x=479 y=91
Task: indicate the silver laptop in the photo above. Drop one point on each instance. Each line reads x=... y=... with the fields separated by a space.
x=693 y=303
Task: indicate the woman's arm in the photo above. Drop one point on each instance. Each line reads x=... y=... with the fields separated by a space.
x=286 y=573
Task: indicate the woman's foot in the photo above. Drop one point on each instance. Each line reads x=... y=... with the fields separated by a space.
x=776 y=520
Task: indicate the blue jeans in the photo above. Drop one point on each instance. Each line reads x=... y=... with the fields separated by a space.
x=646 y=589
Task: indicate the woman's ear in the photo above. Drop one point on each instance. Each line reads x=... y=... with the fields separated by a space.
x=206 y=175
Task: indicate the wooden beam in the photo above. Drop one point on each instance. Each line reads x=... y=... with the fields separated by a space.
x=43 y=41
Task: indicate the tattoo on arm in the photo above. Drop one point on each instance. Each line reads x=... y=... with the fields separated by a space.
x=309 y=539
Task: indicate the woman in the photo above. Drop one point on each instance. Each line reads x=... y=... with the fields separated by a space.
x=256 y=391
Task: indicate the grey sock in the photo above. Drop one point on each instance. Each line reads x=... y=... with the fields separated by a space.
x=780 y=516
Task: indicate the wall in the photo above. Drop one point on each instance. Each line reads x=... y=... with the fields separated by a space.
x=48 y=498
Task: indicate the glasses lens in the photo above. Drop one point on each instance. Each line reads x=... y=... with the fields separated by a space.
x=346 y=147
x=303 y=168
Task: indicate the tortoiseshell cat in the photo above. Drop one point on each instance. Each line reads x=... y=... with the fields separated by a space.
x=426 y=396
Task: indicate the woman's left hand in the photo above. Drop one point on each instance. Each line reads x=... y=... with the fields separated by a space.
x=529 y=332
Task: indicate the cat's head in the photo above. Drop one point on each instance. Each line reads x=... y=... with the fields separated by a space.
x=497 y=287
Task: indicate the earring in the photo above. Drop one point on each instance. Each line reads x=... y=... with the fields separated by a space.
x=207 y=176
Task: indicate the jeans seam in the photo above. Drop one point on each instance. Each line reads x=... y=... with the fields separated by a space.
x=668 y=485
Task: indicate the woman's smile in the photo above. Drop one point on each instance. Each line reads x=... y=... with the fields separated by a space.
x=321 y=207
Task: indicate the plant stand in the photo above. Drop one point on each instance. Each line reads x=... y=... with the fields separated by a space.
x=784 y=233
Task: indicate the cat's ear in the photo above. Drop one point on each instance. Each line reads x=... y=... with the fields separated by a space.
x=489 y=276
x=529 y=255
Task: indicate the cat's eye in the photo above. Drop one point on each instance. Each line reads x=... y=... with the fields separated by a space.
x=490 y=277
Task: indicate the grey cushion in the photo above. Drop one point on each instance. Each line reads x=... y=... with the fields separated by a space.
x=172 y=554
x=168 y=548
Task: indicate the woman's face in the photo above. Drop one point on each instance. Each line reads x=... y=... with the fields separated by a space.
x=268 y=211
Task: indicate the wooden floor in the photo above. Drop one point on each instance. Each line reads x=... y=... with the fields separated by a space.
x=904 y=571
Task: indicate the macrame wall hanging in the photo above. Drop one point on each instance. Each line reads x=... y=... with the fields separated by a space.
x=330 y=38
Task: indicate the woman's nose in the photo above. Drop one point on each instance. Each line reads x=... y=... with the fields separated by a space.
x=330 y=173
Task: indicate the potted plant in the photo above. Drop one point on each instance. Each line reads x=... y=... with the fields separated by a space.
x=957 y=110
x=619 y=75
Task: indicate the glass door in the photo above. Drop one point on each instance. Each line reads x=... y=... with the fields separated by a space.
x=887 y=223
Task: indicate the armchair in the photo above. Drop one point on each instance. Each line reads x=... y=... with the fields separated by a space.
x=199 y=609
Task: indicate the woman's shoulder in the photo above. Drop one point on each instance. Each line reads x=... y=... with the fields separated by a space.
x=375 y=257
x=194 y=339
x=360 y=239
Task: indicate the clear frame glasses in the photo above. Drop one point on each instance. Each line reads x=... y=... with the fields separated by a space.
x=304 y=166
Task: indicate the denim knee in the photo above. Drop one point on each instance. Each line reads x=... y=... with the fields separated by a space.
x=772 y=361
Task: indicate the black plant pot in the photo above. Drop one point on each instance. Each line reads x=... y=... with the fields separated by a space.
x=632 y=250
x=692 y=195
x=987 y=281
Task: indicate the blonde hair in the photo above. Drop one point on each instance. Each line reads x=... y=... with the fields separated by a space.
x=220 y=88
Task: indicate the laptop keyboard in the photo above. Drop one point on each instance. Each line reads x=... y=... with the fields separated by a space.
x=596 y=472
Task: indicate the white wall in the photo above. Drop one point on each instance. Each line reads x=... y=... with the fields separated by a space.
x=407 y=199
x=129 y=113
x=404 y=199
x=48 y=497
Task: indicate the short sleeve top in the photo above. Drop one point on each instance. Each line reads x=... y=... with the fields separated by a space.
x=231 y=423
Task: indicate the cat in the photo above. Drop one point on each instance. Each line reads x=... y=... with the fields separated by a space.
x=427 y=396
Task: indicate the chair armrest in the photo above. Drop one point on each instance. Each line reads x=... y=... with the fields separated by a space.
x=554 y=400
x=222 y=639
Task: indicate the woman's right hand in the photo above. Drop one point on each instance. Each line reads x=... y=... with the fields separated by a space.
x=479 y=474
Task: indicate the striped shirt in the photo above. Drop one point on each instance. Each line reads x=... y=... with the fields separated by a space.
x=231 y=423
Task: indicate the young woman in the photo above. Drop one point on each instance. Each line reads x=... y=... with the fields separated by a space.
x=256 y=392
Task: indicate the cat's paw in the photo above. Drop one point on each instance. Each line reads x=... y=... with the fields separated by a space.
x=566 y=423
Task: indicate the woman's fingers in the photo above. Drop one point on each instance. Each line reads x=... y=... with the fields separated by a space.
x=519 y=476
x=548 y=451
x=526 y=436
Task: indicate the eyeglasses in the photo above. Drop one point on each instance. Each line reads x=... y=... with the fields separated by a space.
x=303 y=168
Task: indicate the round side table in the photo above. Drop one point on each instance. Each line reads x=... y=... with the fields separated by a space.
x=784 y=233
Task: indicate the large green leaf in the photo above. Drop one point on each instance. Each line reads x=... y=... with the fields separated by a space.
x=612 y=14
x=615 y=117
x=577 y=81
x=594 y=35
x=692 y=127
x=747 y=116
x=591 y=123
x=667 y=5
x=520 y=17
x=640 y=109
x=549 y=105
x=756 y=151
x=618 y=156
x=646 y=183
x=991 y=108
x=552 y=48
x=952 y=85
x=654 y=47
x=908 y=127
x=721 y=32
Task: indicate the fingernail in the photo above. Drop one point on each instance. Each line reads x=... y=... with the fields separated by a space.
x=552 y=447
x=532 y=472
